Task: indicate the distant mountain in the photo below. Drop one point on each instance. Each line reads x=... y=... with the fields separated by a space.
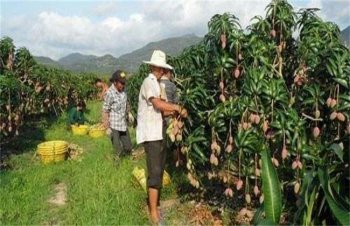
x=88 y=63
x=346 y=36
x=47 y=61
x=129 y=62
x=171 y=46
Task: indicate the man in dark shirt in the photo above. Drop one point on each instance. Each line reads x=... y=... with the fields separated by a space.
x=169 y=86
x=76 y=114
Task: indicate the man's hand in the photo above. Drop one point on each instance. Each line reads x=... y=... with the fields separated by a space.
x=108 y=131
x=184 y=113
x=131 y=118
x=105 y=124
x=105 y=120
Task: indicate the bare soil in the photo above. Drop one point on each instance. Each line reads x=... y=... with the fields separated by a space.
x=189 y=213
x=60 y=197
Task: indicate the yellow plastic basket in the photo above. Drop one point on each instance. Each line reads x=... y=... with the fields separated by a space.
x=95 y=132
x=80 y=130
x=166 y=179
x=140 y=175
x=52 y=151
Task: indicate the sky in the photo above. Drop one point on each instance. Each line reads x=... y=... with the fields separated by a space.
x=57 y=28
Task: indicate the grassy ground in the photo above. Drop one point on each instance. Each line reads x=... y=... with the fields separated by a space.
x=97 y=192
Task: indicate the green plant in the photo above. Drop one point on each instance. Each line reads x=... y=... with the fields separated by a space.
x=29 y=89
x=268 y=88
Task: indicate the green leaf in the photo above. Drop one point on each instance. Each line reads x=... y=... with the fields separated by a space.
x=258 y=216
x=265 y=222
x=342 y=215
x=337 y=150
x=271 y=189
x=342 y=82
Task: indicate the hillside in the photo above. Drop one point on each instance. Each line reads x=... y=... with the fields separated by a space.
x=129 y=62
x=47 y=61
x=171 y=46
x=345 y=34
x=88 y=63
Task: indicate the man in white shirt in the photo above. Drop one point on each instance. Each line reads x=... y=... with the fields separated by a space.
x=149 y=131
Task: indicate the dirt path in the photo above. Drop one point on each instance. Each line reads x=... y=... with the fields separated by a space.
x=190 y=213
x=60 y=197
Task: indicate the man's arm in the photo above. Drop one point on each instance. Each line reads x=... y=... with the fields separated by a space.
x=105 y=119
x=167 y=107
x=106 y=108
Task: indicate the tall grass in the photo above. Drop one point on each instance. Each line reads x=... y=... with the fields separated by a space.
x=98 y=192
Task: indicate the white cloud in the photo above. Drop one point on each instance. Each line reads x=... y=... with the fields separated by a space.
x=315 y=4
x=112 y=23
x=195 y=14
x=138 y=18
x=55 y=35
x=338 y=10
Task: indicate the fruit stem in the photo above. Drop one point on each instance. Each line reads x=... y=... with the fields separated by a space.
x=311 y=118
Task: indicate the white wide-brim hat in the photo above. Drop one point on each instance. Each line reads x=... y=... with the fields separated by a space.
x=158 y=59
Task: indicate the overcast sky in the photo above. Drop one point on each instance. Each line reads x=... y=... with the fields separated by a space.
x=58 y=28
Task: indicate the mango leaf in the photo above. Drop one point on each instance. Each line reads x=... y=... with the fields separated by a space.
x=265 y=222
x=337 y=150
x=271 y=189
x=341 y=214
x=258 y=216
x=342 y=82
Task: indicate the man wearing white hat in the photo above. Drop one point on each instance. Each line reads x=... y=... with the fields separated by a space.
x=149 y=131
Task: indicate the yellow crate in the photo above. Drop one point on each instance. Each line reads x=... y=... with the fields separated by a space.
x=140 y=175
x=95 y=132
x=52 y=151
x=80 y=130
x=46 y=159
x=166 y=179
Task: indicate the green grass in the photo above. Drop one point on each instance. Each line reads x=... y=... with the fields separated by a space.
x=98 y=192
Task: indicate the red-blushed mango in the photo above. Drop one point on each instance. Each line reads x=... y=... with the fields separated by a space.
x=273 y=33
x=256 y=190
x=223 y=40
x=221 y=85
x=230 y=140
x=300 y=164
x=237 y=73
x=329 y=101
x=257 y=172
x=340 y=116
x=229 y=148
x=296 y=187
x=316 y=132
x=222 y=98
x=261 y=198
x=284 y=153
x=239 y=184
x=317 y=114
x=334 y=114
x=248 y=199
x=333 y=103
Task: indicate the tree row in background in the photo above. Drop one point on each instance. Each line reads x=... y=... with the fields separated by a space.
x=28 y=89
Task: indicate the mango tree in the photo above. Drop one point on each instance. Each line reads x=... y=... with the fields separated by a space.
x=265 y=98
x=28 y=89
